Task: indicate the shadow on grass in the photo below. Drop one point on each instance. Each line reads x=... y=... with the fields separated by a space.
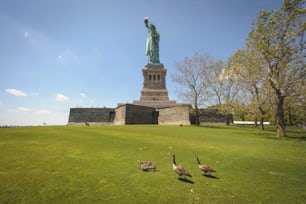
x=293 y=133
x=210 y=176
x=211 y=126
x=186 y=180
x=302 y=138
x=297 y=137
x=147 y=170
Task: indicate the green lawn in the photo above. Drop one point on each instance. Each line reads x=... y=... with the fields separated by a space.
x=99 y=164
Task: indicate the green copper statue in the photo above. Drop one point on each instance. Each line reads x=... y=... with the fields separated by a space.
x=152 y=47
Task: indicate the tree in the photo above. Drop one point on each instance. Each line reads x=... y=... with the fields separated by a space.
x=221 y=88
x=202 y=80
x=279 y=37
x=189 y=76
x=246 y=66
x=295 y=104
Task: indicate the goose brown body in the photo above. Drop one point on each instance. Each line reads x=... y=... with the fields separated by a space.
x=206 y=169
x=147 y=165
x=181 y=171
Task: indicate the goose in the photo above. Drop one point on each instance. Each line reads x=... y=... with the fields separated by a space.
x=181 y=171
x=147 y=165
x=206 y=169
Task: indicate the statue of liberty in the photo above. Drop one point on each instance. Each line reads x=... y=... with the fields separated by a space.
x=152 y=46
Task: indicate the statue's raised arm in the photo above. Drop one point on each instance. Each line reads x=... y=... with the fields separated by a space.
x=146 y=21
x=152 y=46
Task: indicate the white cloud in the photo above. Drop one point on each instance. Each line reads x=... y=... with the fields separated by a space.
x=26 y=34
x=43 y=112
x=15 y=92
x=23 y=109
x=83 y=95
x=36 y=40
x=68 y=56
x=28 y=110
x=20 y=110
x=61 y=98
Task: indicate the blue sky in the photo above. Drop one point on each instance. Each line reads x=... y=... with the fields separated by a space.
x=57 y=54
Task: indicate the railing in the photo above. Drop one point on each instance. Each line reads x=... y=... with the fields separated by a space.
x=249 y=123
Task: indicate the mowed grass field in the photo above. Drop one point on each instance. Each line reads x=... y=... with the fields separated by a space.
x=100 y=164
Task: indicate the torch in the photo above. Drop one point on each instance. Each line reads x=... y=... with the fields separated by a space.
x=146 y=21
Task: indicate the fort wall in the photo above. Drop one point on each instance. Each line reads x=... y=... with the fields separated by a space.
x=91 y=116
x=174 y=115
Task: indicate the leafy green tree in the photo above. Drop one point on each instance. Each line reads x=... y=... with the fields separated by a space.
x=246 y=66
x=278 y=36
x=295 y=111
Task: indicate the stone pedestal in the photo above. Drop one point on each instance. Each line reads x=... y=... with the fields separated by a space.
x=154 y=92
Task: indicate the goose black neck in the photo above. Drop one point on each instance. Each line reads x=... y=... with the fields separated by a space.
x=198 y=160
x=174 y=159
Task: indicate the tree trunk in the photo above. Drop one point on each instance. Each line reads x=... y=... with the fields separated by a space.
x=281 y=132
x=290 y=116
x=255 y=122
x=261 y=123
x=262 y=113
x=197 y=115
x=227 y=119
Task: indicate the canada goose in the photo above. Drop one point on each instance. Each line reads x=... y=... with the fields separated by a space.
x=147 y=165
x=204 y=167
x=179 y=169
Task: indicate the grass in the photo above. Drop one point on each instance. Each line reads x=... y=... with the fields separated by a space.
x=99 y=164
